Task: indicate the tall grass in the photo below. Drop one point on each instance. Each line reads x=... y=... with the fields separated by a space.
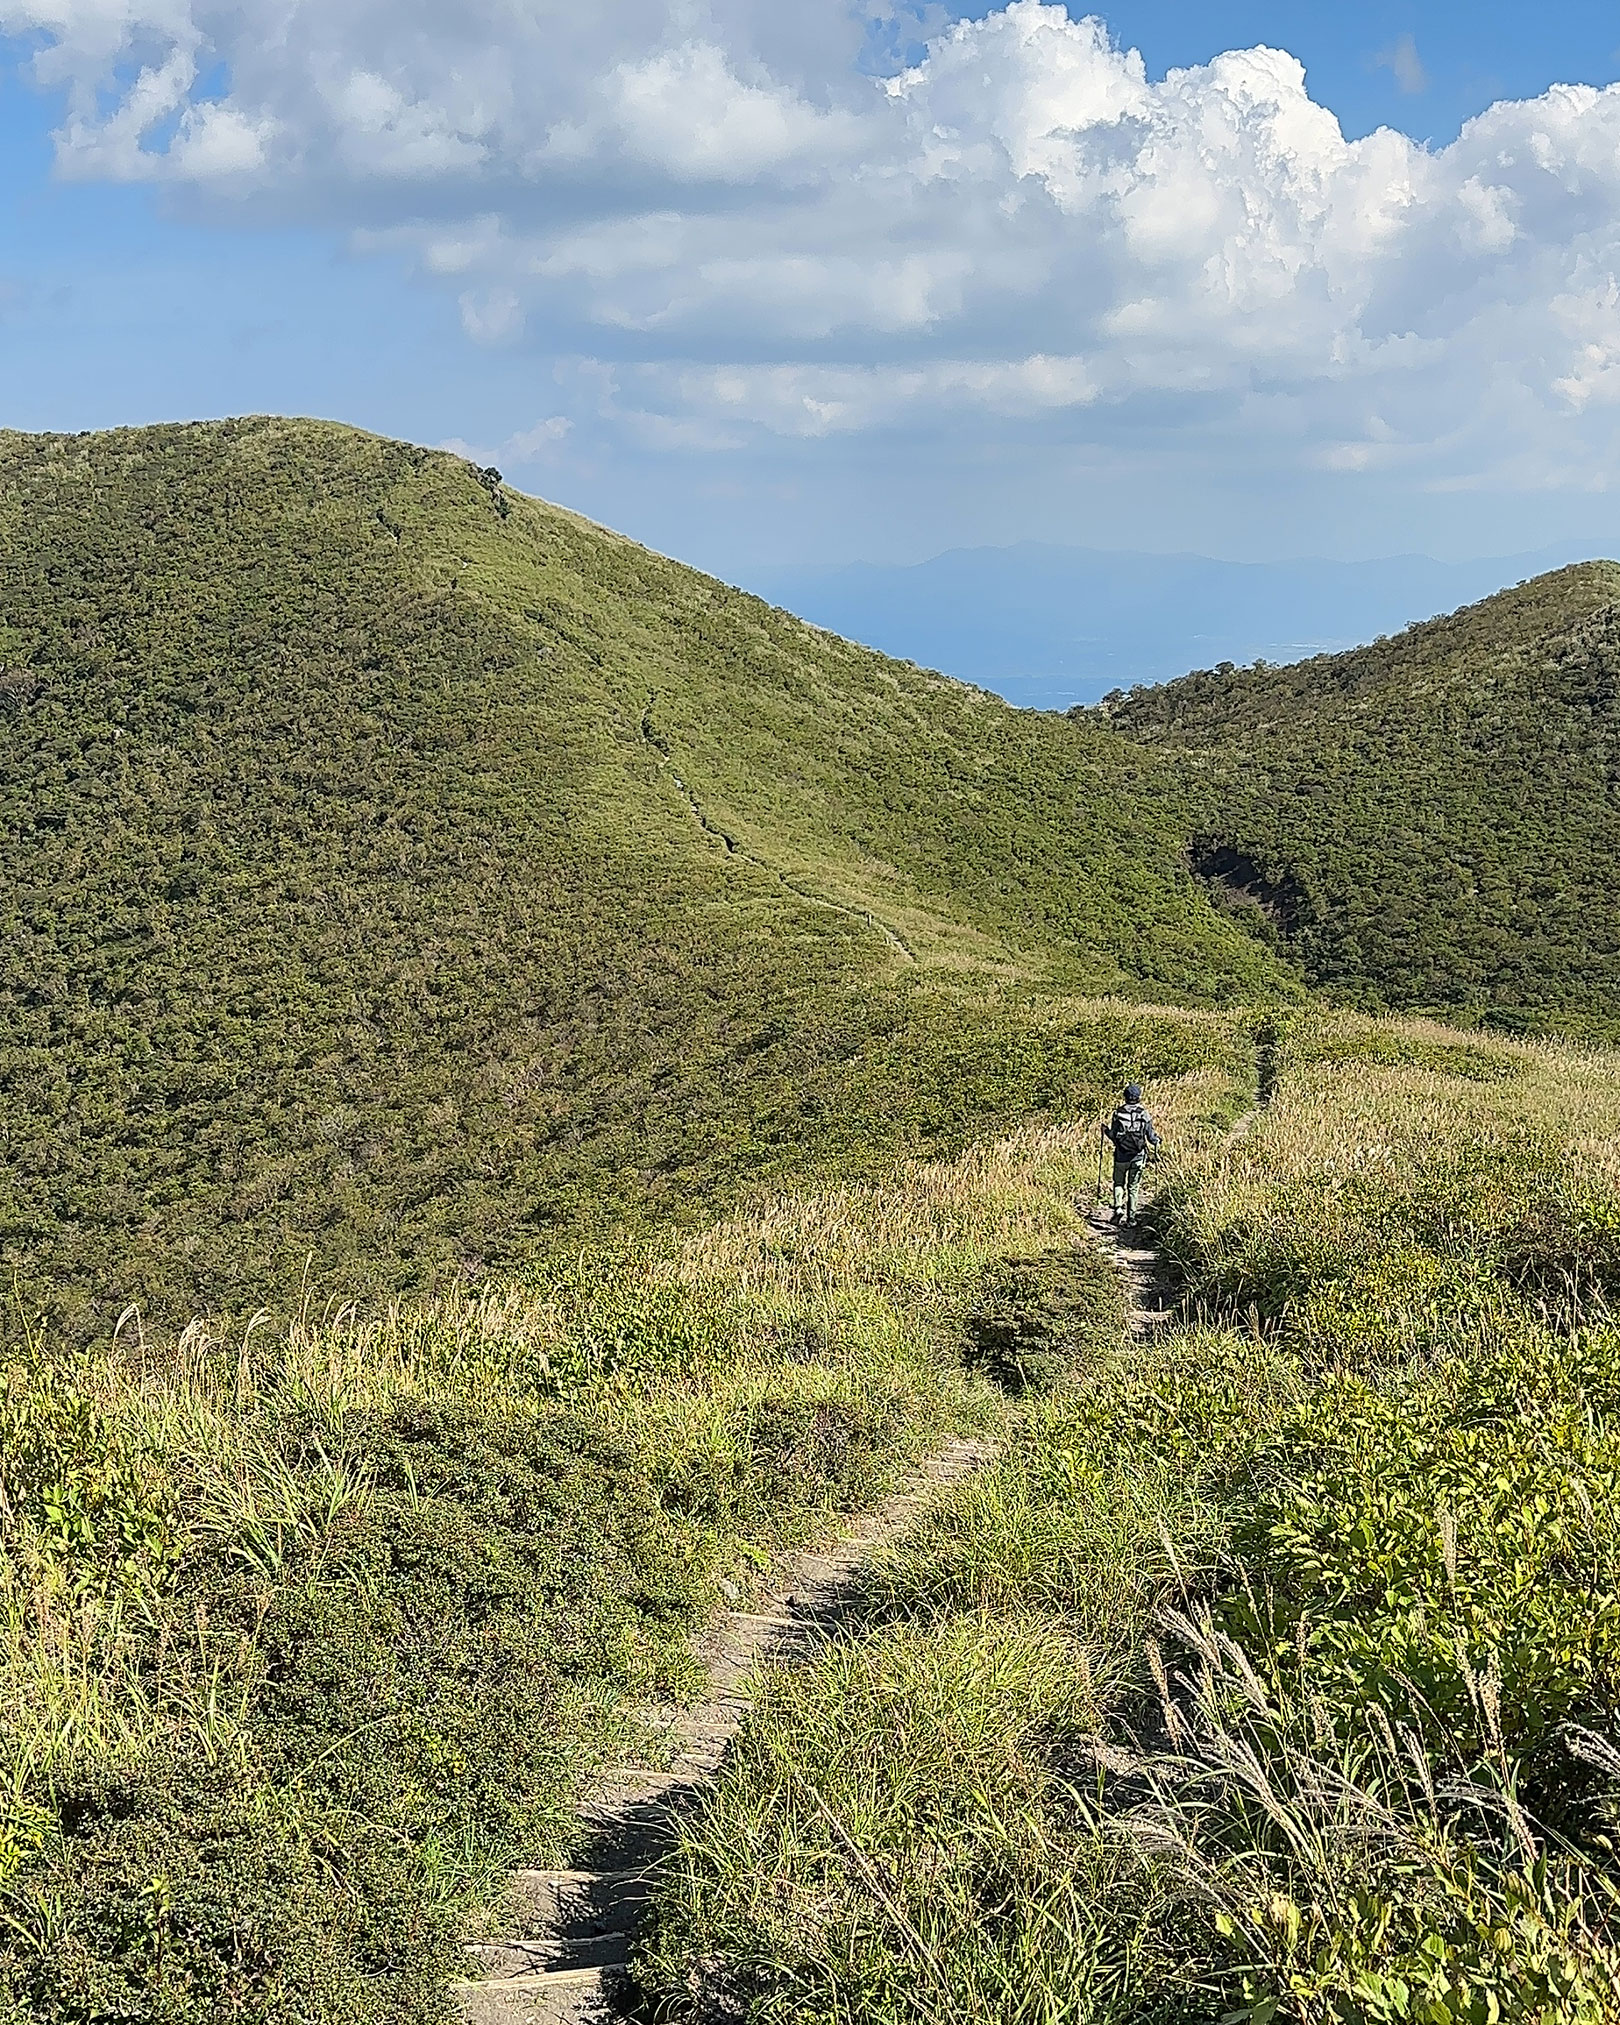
x=308 y=1635
x=1336 y=1568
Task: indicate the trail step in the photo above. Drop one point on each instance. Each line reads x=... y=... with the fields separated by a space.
x=560 y=1997
x=507 y=1961
x=577 y=1927
x=573 y=1900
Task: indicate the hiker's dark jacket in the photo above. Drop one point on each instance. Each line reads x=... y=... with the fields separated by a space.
x=1132 y=1132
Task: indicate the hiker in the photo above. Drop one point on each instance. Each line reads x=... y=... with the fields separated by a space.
x=1130 y=1132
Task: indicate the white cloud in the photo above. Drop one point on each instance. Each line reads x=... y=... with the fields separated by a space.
x=527 y=446
x=758 y=236
x=686 y=112
x=493 y=316
x=835 y=400
x=1404 y=64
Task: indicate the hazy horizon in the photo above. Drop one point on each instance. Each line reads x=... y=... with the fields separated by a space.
x=1051 y=624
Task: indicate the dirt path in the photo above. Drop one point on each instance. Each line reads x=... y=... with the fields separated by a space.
x=1149 y=1284
x=577 y=1927
x=660 y=745
x=568 y=1961
x=1148 y=1296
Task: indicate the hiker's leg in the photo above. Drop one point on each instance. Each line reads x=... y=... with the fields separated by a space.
x=1133 y=1190
x=1122 y=1172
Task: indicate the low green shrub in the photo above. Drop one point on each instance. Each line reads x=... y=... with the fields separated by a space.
x=1041 y=1319
x=72 y=1488
x=1448 y=1550
x=179 y=1892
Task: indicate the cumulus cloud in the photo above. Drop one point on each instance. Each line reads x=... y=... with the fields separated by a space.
x=757 y=225
x=525 y=446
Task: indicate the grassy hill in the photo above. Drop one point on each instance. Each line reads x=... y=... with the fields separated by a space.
x=689 y=1012
x=397 y=871
x=1433 y=820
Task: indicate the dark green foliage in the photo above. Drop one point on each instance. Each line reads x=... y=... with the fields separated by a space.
x=395 y=873
x=71 y=1486
x=1433 y=820
x=180 y=1892
x=1040 y=1319
x=422 y=1680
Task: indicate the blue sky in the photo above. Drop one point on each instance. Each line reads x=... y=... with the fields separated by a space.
x=716 y=272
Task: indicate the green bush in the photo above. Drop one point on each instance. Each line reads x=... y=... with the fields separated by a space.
x=71 y=1487
x=1041 y=1319
x=1446 y=1549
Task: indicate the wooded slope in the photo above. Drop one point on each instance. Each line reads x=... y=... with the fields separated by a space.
x=1433 y=820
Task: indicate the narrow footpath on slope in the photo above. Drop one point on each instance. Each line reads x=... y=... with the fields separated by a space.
x=733 y=848
x=569 y=1961
x=1148 y=1282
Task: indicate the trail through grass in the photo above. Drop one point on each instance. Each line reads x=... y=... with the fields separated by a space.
x=1272 y=1674
x=309 y=1636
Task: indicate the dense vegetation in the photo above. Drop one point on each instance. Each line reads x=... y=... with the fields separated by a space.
x=411 y=890
x=307 y=1639
x=395 y=872
x=1273 y=1673
x=398 y=872
x=1430 y=821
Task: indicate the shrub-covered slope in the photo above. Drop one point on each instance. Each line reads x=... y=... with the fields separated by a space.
x=394 y=869
x=1433 y=820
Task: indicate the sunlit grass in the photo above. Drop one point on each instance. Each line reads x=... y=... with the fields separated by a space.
x=1339 y=1742
x=389 y=1584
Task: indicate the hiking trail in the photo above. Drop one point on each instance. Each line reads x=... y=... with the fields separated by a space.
x=1149 y=1294
x=733 y=849
x=569 y=1962
x=1149 y=1284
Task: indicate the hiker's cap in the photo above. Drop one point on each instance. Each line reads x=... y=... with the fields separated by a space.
x=1133 y=1093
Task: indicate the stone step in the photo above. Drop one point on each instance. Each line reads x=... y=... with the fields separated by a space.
x=706 y=1723
x=509 y=1961
x=575 y=1901
x=749 y=1621
x=561 y=1997
x=812 y=1568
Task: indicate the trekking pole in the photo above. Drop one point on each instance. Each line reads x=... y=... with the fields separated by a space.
x=1099 y=1163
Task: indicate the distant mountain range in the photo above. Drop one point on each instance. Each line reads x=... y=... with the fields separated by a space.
x=1049 y=626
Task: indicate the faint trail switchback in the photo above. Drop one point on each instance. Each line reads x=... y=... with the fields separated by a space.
x=660 y=745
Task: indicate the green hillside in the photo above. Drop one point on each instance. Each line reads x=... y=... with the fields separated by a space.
x=1433 y=820
x=700 y=1024
x=397 y=871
